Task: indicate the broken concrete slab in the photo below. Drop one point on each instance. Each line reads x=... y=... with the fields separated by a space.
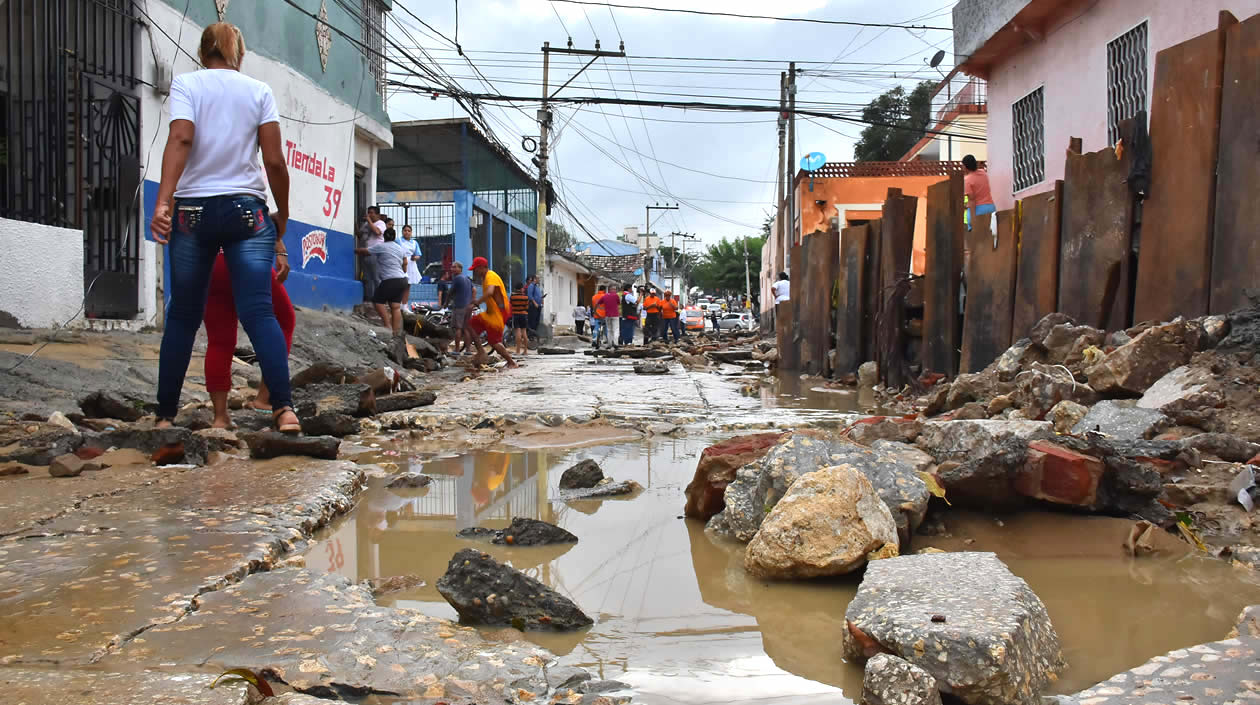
x=271 y=444
x=111 y=405
x=362 y=648
x=329 y=425
x=401 y=401
x=829 y=523
x=1219 y=672
x=1121 y=419
x=344 y=399
x=160 y=444
x=651 y=368
x=1183 y=387
x=1040 y=387
x=978 y=629
x=1060 y=475
x=94 y=687
x=608 y=488
x=485 y=591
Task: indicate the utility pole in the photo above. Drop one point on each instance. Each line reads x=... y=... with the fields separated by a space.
x=747 y=276
x=647 y=233
x=781 y=230
x=791 y=167
x=544 y=126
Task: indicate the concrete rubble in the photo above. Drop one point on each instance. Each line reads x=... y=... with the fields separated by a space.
x=962 y=617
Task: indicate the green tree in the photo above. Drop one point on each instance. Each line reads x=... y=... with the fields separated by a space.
x=895 y=121
x=675 y=258
x=558 y=236
x=721 y=269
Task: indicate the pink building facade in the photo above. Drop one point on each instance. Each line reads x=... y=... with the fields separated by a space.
x=1062 y=63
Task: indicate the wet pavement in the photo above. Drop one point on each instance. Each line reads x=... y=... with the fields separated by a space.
x=140 y=584
x=678 y=618
x=580 y=387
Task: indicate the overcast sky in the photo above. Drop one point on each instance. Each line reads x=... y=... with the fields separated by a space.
x=660 y=145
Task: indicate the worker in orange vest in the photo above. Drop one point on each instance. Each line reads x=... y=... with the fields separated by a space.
x=669 y=317
x=597 y=322
x=652 y=311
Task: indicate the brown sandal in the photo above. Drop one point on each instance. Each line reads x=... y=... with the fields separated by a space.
x=290 y=428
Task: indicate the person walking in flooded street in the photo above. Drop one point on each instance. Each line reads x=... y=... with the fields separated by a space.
x=212 y=197
x=612 y=318
x=598 y=316
x=491 y=321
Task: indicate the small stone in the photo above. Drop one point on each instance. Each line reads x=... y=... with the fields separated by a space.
x=59 y=419
x=68 y=465
x=584 y=475
x=888 y=680
x=1066 y=414
x=410 y=480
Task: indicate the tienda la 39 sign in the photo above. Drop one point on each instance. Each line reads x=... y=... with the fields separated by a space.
x=315 y=246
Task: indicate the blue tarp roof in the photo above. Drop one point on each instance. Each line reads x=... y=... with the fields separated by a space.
x=607 y=248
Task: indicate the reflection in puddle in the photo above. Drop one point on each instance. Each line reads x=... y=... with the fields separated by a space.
x=789 y=391
x=677 y=617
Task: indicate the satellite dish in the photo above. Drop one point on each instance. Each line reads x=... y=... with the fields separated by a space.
x=937 y=58
x=813 y=161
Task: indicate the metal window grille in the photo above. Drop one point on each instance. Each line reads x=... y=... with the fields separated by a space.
x=374 y=38
x=1126 y=79
x=1029 y=139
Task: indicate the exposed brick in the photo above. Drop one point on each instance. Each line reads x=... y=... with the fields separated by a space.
x=1056 y=474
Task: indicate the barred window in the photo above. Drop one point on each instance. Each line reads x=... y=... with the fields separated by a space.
x=1029 y=128
x=1126 y=79
x=374 y=38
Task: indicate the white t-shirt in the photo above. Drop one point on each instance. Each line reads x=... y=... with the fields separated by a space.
x=782 y=288
x=227 y=107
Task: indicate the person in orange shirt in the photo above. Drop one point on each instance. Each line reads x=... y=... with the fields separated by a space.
x=976 y=189
x=492 y=321
x=597 y=318
x=652 y=313
x=669 y=317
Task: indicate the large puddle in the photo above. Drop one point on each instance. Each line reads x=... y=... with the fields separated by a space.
x=677 y=617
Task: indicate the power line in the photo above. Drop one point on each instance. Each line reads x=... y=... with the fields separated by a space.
x=849 y=23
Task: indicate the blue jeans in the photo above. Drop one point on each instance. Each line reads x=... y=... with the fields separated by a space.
x=627 y=331
x=673 y=325
x=240 y=226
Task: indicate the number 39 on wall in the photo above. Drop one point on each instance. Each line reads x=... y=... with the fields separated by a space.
x=332 y=201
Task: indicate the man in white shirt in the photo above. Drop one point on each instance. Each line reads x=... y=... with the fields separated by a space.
x=782 y=290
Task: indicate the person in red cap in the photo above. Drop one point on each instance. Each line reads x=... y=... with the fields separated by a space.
x=492 y=321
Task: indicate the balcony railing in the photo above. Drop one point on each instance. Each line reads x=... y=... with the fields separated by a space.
x=959 y=93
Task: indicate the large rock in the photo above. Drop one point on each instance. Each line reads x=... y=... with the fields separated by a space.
x=401 y=401
x=1064 y=342
x=978 y=459
x=1016 y=359
x=759 y=486
x=717 y=467
x=829 y=523
x=1039 y=388
x=584 y=475
x=1132 y=368
x=888 y=680
x=1122 y=420
x=979 y=630
x=963 y=440
x=1041 y=329
x=270 y=444
x=345 y=399
x=110 y=405
x=892 y=428
x=485 y=591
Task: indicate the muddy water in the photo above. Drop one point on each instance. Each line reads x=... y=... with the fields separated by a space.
x=677 y=617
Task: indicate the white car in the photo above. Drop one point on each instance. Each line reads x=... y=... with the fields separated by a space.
x=737 y=321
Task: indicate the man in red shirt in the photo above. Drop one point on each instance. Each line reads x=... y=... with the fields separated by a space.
x=976 y=189
x=612 y=317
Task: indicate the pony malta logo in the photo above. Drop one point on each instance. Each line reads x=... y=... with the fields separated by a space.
x=315 y=245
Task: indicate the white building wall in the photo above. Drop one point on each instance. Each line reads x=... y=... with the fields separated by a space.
x=43 y=286
x=313 y=122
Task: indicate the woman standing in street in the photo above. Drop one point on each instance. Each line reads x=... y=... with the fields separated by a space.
x=413 y=262
x=212 y=194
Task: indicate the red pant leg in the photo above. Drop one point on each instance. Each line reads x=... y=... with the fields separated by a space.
x=284 y=310
x=220 y=323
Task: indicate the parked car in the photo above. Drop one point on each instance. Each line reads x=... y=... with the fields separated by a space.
x=693 y=319
x=737 y=321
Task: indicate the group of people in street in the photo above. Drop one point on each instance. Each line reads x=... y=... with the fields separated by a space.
x=615 y=316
